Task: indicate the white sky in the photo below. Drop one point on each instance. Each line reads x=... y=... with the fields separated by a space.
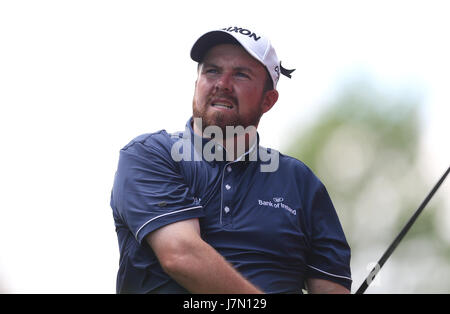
x=79 y=79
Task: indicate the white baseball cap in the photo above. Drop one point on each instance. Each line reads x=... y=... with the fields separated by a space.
x=258 y=46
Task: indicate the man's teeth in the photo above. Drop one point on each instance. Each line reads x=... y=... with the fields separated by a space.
x=222 y=105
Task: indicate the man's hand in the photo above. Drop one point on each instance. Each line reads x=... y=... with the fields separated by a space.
x=193 y=263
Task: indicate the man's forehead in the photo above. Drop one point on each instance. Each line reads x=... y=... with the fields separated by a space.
x=230 y=54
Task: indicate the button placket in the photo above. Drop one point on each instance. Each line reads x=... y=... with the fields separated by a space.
x=227 y=210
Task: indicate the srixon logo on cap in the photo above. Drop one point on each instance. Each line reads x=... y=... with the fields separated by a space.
x=242 y=31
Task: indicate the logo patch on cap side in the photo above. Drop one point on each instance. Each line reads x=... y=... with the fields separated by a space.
x=277 y=71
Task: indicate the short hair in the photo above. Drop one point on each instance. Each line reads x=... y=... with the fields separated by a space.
x=269 y=84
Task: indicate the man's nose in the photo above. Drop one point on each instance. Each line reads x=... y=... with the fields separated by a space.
x=224 y=82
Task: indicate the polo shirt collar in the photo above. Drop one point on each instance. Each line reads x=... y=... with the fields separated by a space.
x=251 y=154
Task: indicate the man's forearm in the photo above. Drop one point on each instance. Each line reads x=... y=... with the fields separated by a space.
x=321 y=286
x=204 y=270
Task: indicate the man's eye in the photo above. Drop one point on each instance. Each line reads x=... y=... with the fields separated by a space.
x=213 y=71
x=240 y=74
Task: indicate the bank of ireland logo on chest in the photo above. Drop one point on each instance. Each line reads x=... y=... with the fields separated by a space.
x=277 y=202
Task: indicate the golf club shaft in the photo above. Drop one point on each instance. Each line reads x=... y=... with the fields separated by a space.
x=400 y=236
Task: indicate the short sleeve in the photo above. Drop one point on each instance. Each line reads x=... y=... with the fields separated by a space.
x=149 y=192
x=329 y=257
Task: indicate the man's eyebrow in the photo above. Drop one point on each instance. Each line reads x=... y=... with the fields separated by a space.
x=208 y=64
x=244 y=69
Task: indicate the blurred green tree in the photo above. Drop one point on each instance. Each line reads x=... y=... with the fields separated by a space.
x=365 y=148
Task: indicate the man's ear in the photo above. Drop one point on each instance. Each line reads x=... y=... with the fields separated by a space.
x=270 y=98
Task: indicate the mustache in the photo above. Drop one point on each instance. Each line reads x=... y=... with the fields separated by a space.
x=223 y=96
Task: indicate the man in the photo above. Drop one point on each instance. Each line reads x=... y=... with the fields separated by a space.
x=208 y=210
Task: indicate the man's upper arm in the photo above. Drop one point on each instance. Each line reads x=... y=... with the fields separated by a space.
x=174 y=240
x=329 y=256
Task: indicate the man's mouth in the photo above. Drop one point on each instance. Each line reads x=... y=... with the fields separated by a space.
x=219 y=105
x=222 y=104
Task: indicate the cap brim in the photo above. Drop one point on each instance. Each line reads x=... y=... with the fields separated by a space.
x=207 y=41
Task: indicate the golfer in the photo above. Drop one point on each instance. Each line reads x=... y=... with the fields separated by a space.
x=209 y=210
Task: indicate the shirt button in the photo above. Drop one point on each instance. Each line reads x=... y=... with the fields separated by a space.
x=229 y=168
x=227 y=187
x=226 y=209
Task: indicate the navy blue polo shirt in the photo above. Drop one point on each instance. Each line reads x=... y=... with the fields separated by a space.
x=277 y=228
